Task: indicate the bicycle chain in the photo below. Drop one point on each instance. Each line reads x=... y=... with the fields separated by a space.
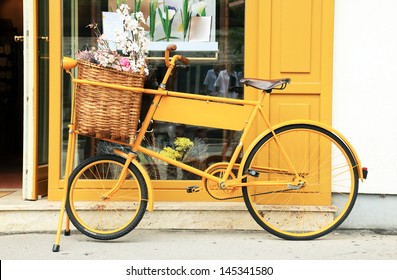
x=225 y=198
x=240 y=196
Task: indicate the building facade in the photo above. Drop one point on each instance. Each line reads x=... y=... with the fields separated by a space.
x=332 y=51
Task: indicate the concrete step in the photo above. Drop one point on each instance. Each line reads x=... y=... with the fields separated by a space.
x=20 y=216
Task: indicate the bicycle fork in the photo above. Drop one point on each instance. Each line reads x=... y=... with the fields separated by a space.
x=129 y=157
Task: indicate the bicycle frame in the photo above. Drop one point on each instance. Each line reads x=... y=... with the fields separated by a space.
x=216 y=102
x=225 y=104
x=160 y=109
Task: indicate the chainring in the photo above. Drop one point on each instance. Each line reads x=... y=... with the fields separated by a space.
x=213 y=189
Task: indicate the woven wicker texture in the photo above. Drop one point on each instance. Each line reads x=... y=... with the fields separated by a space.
x=107 y=113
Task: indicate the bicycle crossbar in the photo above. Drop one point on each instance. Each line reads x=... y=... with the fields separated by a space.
x=198 y=110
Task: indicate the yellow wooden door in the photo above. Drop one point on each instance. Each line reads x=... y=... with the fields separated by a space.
x=290 y=38
x=293 y=39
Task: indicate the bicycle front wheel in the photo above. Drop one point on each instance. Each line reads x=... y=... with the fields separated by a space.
x=317 y=205
x=95 y=212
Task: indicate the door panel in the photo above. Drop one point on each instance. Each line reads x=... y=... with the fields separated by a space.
x=292 y=107
x=296 y=40
x=42 y=94
x=35 y=99
x=295 y=31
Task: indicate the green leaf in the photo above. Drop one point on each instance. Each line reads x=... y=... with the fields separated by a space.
x=161 y=16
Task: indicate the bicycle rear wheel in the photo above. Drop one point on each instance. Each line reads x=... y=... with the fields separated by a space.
x=111 y=217
x=328 y=192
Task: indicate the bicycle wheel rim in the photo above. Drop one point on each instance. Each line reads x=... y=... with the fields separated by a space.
x=325 y=201
x=108 y=218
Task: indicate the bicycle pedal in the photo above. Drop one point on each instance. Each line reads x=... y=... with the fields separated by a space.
x=192 y=189
x=253 y=173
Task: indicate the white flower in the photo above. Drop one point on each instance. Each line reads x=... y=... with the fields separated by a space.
x=171 y=14
x=132 y=43
x=111 y=59
x=140 y=17
x=123 y=9
x=198 y=8
x=131 y=24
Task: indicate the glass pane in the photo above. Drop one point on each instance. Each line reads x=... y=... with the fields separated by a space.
x=217 y=62
x=43 y=85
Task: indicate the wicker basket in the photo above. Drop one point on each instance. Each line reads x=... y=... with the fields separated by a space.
x=107 y=113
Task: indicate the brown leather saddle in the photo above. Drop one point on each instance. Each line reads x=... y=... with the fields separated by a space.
x=266 y=85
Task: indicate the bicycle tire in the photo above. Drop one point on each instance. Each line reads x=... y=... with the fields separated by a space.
x=111 y=218
x=331 y=182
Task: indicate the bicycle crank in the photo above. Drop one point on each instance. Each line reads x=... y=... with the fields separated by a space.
x=218 y=193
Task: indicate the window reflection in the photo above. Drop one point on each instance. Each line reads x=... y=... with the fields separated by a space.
x=210 y=73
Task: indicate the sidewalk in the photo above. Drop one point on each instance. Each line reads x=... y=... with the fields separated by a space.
x=143 y=244
x=177 y=231
x=21 y=216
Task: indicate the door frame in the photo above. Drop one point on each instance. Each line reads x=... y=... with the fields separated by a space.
x=35 y=176
x=55 y=99
x=29 y=100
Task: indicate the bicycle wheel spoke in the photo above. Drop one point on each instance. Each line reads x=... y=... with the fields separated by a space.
x=316 y=202
x=107 y=216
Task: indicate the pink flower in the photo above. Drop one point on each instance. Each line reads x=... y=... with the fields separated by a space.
x=125 y=63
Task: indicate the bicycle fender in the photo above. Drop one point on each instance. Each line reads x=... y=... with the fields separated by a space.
x=148 y=184
x=308 y=122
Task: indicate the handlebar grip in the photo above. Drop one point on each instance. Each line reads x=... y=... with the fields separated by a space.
x=171 y=47
x=68 y=63
x=184 y=60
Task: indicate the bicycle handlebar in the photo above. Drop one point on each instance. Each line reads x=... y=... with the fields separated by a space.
x=181 y=58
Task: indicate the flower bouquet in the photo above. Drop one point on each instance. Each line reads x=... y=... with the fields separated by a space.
x=190 y=152
x=104 y=112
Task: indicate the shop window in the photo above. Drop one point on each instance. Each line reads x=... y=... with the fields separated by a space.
x=217 y=48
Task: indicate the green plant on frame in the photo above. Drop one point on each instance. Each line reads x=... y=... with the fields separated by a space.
x=167 y=17
x=137 y=6
x=186 y=15
x=152 y=18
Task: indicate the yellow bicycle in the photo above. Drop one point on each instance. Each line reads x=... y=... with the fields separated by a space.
x=299 y=179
